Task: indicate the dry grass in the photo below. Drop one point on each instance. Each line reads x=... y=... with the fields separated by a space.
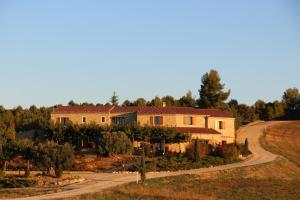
x=46 y=185
x=284 y=139
x=27 y=192
x=276 y=180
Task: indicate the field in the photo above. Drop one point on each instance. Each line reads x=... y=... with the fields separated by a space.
x=277 y=180
x=284 y=139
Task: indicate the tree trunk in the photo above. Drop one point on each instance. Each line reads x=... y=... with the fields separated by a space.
x=4 y=166
x=28 y=165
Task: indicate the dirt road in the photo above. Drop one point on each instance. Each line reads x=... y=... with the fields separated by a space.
x=99 y=181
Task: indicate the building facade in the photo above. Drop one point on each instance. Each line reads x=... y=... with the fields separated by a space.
x=212 y=125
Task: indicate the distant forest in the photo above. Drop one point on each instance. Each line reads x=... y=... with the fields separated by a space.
x=211 y=95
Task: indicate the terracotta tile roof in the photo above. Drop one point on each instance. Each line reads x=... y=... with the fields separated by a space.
x=197 y=130
x=82 y=109
x=142 y=110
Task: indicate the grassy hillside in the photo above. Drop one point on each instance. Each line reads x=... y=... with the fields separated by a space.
x=276 y=180
x=284 y=139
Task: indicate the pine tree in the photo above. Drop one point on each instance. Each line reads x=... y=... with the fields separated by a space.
x=211 y=92
x=114 y=100
x=187 y=100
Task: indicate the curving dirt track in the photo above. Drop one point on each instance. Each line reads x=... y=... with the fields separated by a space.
x=95 y=182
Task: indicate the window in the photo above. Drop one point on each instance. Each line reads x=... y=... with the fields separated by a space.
x=64 y=120
x=190 y=120
x=158 y=120
x=206 y=122
x=118 y=120
x=84 y=119
x=221 y=125
x=102 y=119
x=58 y=120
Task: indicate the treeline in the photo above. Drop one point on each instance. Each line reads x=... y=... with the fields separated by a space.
x=186 y=100
x=19 y=120
x=211 y=95
x=288 y=108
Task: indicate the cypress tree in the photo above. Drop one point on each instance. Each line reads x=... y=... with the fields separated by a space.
x=197 y=150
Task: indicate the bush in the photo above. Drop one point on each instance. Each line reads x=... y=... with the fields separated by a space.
x=205 y=149
x=17 y=183
x=114 y=143
x=231 y=151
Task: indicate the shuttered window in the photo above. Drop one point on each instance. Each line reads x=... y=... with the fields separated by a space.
x=188 y=120
x=151 y=120
x=221 y=125
x=158 y=120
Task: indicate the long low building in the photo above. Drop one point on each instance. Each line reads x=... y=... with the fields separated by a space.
x=213 y=125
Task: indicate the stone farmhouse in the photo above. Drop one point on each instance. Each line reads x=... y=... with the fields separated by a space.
x=212 y=125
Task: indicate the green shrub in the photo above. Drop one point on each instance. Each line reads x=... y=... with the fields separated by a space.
x=17 y=183
x=114 y=143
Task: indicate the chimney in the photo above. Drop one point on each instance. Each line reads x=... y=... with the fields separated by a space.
x=164 y=104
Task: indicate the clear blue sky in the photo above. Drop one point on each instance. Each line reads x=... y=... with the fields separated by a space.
x=55 y=51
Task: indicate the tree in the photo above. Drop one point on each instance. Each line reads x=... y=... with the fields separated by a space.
x=27 y=151
x=187 y=100
x=233 y=103
x=278 y=109
x=196 y=150
x=169 y=100
x=245 y=148
x=127 y=103
x=72 y=103
x=143 y=168
x=140 y=102
x=11 y=132
x=211 y=92
x=291 y=98
x=247 y=113
x=156 y=102
x=54 y=156
x=114 y=100
x=8 y=151
x=260 y=109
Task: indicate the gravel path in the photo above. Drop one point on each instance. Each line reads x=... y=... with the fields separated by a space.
x=95 y=182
